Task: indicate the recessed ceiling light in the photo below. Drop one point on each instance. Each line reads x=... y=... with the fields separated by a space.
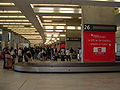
x=60 y=27
x=49 y=30
x=10 y=11
x=47 y=20
x=54 y=23
x=70 y=27
x=14 y=20
x=7 y=4
x=59 y=30
x=64 y=5
x=67 y=17
x=12 y=17
x=48 y=27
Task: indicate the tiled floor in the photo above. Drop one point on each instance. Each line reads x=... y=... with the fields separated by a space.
x=10 y=80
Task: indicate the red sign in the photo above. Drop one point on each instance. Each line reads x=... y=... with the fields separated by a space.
x=99 y=46
x=62 y=45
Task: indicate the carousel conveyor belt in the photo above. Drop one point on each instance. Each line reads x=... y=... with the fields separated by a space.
x=67 y=67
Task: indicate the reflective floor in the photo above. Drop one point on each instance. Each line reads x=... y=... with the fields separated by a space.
x=10 y=80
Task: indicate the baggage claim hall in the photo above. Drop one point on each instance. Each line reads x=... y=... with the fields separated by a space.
x=59 y=44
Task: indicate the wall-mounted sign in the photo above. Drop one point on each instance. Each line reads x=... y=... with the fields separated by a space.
x=99 y=46
x=99 y=27
x=99 y=43
x=73 y=39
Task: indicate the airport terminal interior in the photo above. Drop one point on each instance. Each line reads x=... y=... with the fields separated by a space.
x=59 y=44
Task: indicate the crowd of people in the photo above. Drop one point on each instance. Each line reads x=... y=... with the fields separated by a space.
x=38 y=53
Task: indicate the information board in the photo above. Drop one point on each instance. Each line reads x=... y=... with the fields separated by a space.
x=99 y=46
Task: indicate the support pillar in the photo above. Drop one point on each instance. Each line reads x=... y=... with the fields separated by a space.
x=12 y=40
x=4 y=38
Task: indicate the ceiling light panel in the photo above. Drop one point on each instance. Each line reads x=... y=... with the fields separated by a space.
x=14 y=20
x=10 y=11
x=62 y=35
x=49 y=30
x=47 y=20
x=60 y=27
x=7 y=4
x=64 y=5
x=18 y=26
x=56 y=10
x=48 y=27
x=64 y=17
x=59 y=30
x=12 y=17
x=16 y=23
x=45 y=10
x=54 y=23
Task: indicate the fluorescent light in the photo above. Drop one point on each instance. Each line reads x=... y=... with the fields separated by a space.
x=65 y=5
x=18 y=23
x=21 y=28
x=49 y=30
x=10 y=11
x=12 y=17
x=66 y=10
x=79 y=10
x=0 y=32
x=59 y=30
x=62 y=35
x=48 y=27
x=14 y=20
x=55 y=35
x=58 y=38
x=13 y=26
x=47 y=20
x=53 y=38
x=46 y=8
x=67 y=17
x=79 y=17
x=79 y=28
x=45 y=11
x=70 y=27
x=54 y=24
x=60 y=27
x=7 y=4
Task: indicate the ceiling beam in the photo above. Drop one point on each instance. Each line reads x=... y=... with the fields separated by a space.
x=77 y=2
x=29 y=13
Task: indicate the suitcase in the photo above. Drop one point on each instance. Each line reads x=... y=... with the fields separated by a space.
x=9 y=64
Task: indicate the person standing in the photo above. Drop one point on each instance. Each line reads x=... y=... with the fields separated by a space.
x=55 y=54
x=71 y=52
x=20 y=57
x=68 y=55
x=62 y=52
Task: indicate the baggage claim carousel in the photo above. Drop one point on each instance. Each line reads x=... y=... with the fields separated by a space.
x=67 y=67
